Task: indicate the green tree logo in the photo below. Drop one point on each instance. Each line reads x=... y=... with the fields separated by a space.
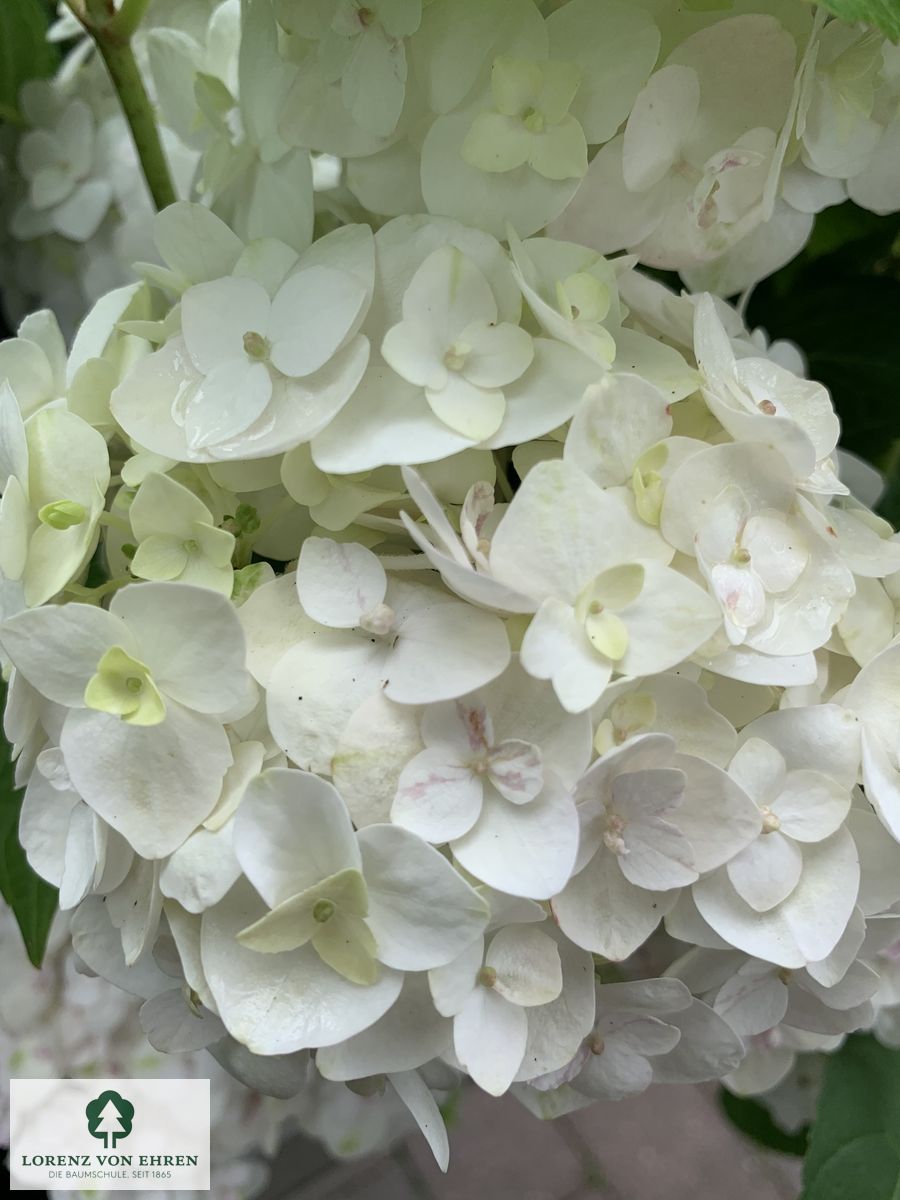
x=109 y=1117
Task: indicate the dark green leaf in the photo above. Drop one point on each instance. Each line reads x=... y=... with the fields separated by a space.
x=25 y=52
x=32 y=901
x=854 y=1150
x=753 y=1119
x=883 y=14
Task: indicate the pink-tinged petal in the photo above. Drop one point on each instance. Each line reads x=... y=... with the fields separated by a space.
x=516 y=771
x=437 y=798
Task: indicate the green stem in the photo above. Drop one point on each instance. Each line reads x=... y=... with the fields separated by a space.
x=129 y=16
x=93 y=595
x=112 y=33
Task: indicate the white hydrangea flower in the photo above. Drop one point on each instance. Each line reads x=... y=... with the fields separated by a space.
x=454 y=370
x=33 y=363
x=491 y=782
x=150 y=680
x=752 y=395
x=489 y=989
x=780 y=584
x=55 y=472
x=255 y=371
x=647 y=830
x=516 y=148
x=690 y=176
x=413 y=642
x=605 y=600
x=69 y=191
x=359 y=47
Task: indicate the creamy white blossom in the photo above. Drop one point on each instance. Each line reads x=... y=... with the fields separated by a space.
x=408 y=610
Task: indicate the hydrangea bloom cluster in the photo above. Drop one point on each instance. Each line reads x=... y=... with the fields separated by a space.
x=701 y=137
x=418 y=623
x=57 y=1022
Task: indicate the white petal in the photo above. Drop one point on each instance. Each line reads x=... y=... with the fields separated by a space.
x=195 y=242
x=804 y=928
x=657 y=856
x=312 y=314
x=708 y=1047
x=451 y=985
x=602 y=912
x=617 y=420
x=451 y=289
x=339 y=582
x=445 y=650
x=279 y=1003
x=753 y=1000
x=201 y=870
x=715 y=815
x=315 y=689
x=226 y=402
x=527 y=964
x=172 y=1025
x=473 y=412
x=57 y=648
x=154 y=784
x=44 y=825
x=99 y=947
x=376 y=744
x=192 y=641
x=410 y=1033
x=759 y=769
x=216 y=315
x=767 y=871
x=292 y=831
x=527 y=553
x=821 y=737
x=498 y=354
x=437 y=799
x=523 y=850
x=273 y=622
x=414 y=1093
x=555 y=647
x=489 y=1037
x=421 y=910
x=671 y=602
x=661 y=118
x=811 y=806
x=556 y=1030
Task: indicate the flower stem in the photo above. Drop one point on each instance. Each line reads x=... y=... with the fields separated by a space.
x=112 y=32
x=129 y=16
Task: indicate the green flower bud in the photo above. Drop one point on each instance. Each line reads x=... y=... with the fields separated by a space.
x=62 y=514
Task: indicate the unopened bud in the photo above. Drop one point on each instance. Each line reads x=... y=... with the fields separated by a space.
x=62 y=514
x=487 y=977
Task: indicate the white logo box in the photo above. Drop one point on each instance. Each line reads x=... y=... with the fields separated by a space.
x=145 y=1135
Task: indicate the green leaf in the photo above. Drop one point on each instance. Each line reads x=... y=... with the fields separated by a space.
x=883 y=14
x=32 y=900
x=854 y=1150
x=25 y=52
x=754 y=1120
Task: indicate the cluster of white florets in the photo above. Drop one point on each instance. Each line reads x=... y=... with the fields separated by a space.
x=702 y=137
x=405 y=627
